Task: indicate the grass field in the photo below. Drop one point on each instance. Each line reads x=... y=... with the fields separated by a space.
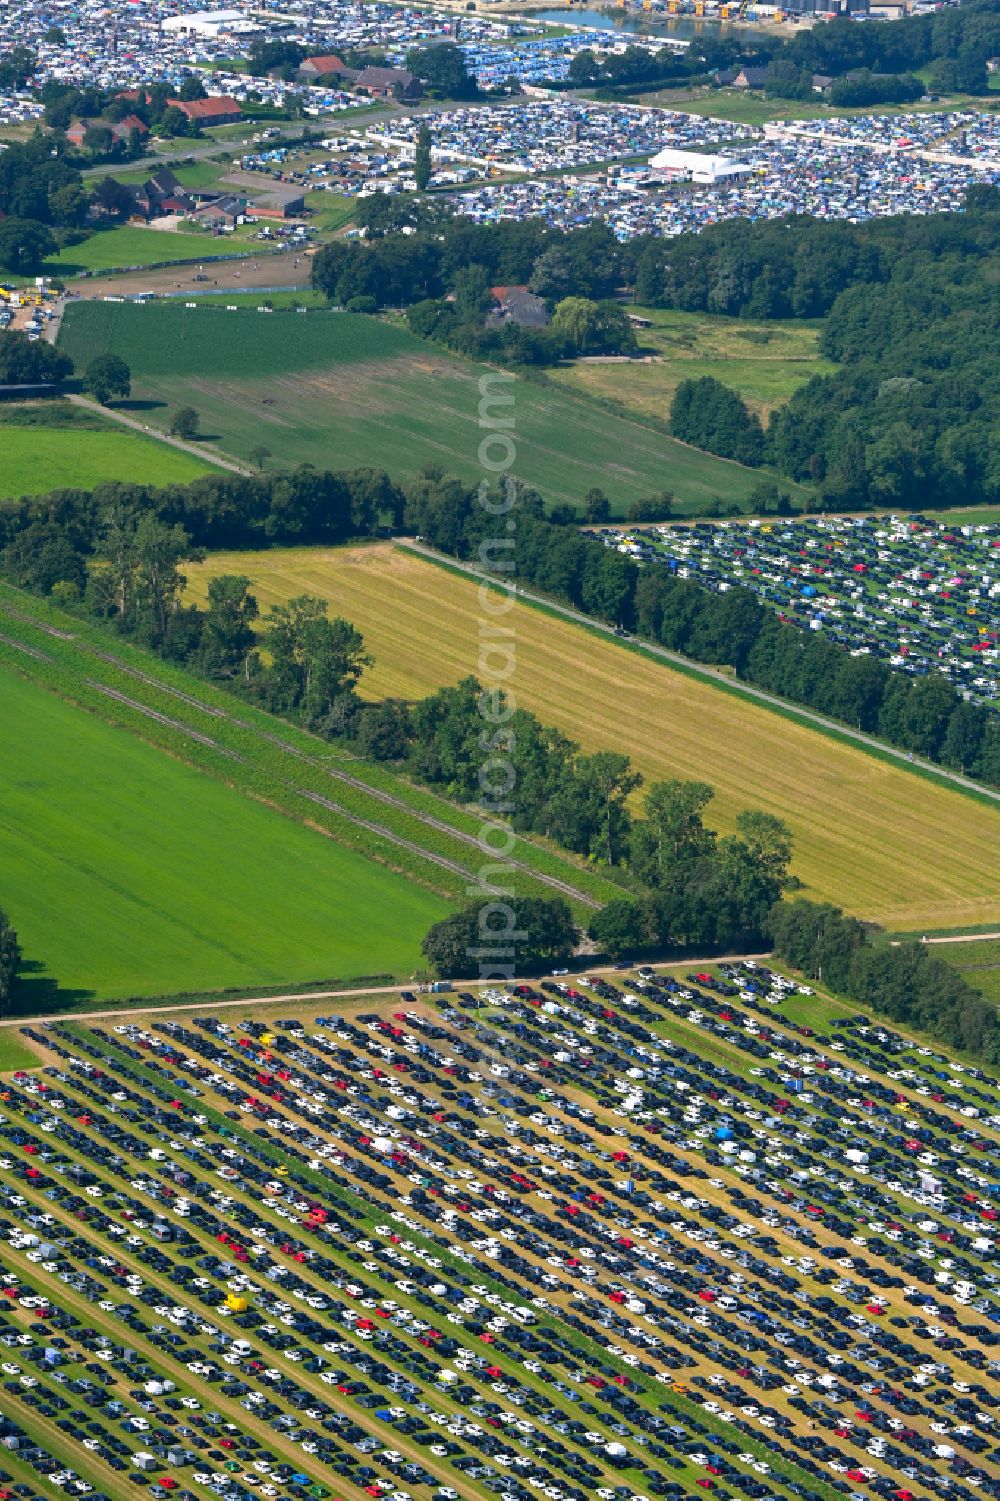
x=33 y=460
x=126 y=872
x=746 y=108
x=304 y=298
x=368 y=809
x=331 y=211
x=115 y=249
x=343 y=390
x=978 y=962
x=868 y=836
x=765 y=362
x=194 y=174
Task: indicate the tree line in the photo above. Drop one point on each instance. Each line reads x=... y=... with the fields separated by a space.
x=922 y=715
x=869 y=64
x=904 y=982
x=702 y=890
x=49 y=544
x=117 y=554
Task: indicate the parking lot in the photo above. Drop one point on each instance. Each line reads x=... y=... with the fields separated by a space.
x=918 y=594
x=630 y=1236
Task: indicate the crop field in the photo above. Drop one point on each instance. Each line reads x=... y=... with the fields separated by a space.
x=411 y=1249
x=344 y=390
x=869 y=835
x=765 y=362
x=197 y=885
x=130 y=245
x=33 y=460
x=127 y=873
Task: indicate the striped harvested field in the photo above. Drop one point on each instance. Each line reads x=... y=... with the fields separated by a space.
x=870 y=836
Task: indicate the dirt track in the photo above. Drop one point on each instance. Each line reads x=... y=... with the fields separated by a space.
x=290 y=269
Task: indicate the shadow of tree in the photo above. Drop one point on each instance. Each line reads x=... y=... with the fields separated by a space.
x=36 y=993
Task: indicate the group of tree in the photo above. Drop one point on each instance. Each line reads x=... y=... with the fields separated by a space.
x=17 y=65
x=954 y=44
x=904 y=981
x=536 y=931
x=443 y=274
x=24 y=361
x=400 y=268
x=275 y=55
x=116 y=553
x=305 y=505
x=711 y=416
x=27 y=362
x=695 y=890
x=863 y=87
x=41 y=192
x=787 y=79
x=443 y=71
x=578 y=326
x=133 y=578
x=633 y=67
x=923 y=715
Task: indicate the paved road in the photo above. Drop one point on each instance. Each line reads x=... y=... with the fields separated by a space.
x=301 y=997
x=199 y=451
x=710 y=674
x=963 y=938
x=182 y=150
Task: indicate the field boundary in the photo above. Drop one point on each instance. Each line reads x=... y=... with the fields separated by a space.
x=85 y=1017
x=806 y=717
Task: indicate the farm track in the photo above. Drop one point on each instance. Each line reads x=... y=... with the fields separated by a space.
x=301 y=996
x=440 y=825
x=29 y=651
x=206 y=455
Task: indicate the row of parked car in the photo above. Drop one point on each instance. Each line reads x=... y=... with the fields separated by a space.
x=617 y=1238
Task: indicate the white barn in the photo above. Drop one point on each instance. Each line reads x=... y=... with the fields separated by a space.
x=694 y=166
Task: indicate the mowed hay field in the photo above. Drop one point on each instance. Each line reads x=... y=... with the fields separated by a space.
x=343 y=391
x=765 y=363
x=126 y=872
x=869 y=836
x=36 y=459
